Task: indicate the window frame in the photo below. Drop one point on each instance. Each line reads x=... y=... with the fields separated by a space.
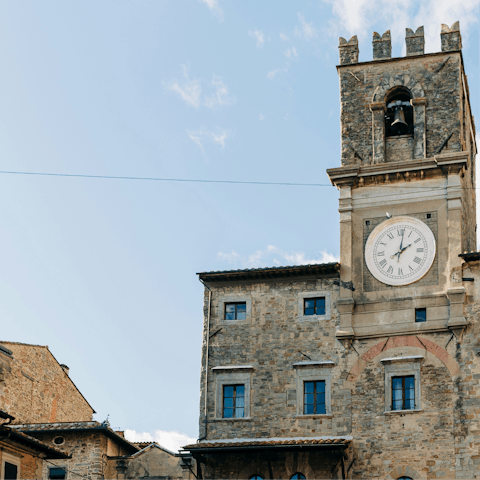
x=302 y=296
x=221 y=306
x=404 y=366
x=225 y=304
x=50 y=467
x=13 y=460
x=314 y=299
x=314 y=372
x=315 y=396
x=404 y=391
x=235 y=396
x=423 y=309
x=231 y=375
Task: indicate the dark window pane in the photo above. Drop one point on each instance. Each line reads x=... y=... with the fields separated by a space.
x=11 y=471
x=409 y=393
x=397 y=405
x=397 y=382
x=309 y=311
x=409 y=382
x=308 y=387
x=240 y=402
x=309 y=398
x=298 y=476
x=308 y=409
x=410 y=404
x=228 y=413
x=241 y=316
x=309 y=303
x=320 y=311
x=229 y=315
x=57 y=473
x=320 y=302
x=320 y=386
x=321 y=408
x=228 y=402
x=420 y=314
x=228 y=391
x=240 y=390
x=239 y=412
x=241 y=307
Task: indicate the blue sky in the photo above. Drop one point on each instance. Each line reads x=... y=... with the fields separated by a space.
x=103 y=271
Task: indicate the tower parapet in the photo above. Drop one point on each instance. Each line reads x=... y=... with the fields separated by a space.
x=382 y=45
x=451 y=38
x=348 y=50
x=415 y=41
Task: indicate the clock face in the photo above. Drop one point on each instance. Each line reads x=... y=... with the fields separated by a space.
x=400 y=250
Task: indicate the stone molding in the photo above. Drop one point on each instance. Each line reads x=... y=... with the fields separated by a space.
x=456 y=297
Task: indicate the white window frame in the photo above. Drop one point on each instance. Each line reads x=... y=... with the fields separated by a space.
x=301 y=317
x=14 y=460
x=402 y=367
x=311 y=372
x=232 y=375
x=223 y=299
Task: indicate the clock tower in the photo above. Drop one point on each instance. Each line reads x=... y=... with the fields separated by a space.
x=407 y=187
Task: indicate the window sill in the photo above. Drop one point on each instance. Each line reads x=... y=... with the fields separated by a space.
x=313 y=318
x=320 y=415
x=402 y=412
x=244 y=419
x=234 y=322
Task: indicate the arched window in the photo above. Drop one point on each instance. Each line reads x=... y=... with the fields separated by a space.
x=256 y=477
x=298 y=476
x=405 y=478
x=399 y=116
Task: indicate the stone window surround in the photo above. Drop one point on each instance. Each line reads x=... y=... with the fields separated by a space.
x=314 y=371
x=232 y=375
x=9 y=458
x=64 y=467
x=400 y=367
x=223 y=299
x=314 y=318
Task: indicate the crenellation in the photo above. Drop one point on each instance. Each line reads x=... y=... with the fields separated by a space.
x=415 y=41
x=451 y=37
x=348 y=50
x=382 y=46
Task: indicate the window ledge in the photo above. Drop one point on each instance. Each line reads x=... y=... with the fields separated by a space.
x=234 y=367
x=313 y=318
x=319 y=415
x=244 y=419
x=402 y=412
x=326 y=363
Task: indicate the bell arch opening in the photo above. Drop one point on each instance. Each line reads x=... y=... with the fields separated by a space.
x=399 y=119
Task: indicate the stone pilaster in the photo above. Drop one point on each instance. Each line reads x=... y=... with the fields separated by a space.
x=378 y=132
x=420 y=135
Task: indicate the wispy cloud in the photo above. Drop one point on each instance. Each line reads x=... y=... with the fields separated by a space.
x=360 y=16
x=284 y=37
x=259 y=36
x=220 y=97
x=305 y=29
x=261 y=117
x=190 y=90
x=215 y=8
x=202 y=136
x=273 y=255
x=273 y=73
x=170 y=440
x=291 y=52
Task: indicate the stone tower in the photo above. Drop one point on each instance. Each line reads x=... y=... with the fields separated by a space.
x=408 y=148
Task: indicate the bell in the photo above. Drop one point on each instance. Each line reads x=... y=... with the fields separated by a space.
x=399 y=125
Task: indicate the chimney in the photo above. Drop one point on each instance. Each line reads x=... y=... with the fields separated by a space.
x=348 y=50
x=451 y=38
x=65 y=369
x=382 y=46
x=415 y=41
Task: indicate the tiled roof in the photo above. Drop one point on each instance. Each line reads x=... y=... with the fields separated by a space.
x=270 y=272
x=21 y=437
x=270 y=442
x=142 y=445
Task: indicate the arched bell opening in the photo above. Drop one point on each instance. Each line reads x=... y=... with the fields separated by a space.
x=399 y=118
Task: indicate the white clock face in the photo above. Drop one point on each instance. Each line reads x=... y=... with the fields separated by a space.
x=400 y=250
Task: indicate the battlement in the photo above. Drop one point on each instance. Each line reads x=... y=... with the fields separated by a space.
x=415 y=42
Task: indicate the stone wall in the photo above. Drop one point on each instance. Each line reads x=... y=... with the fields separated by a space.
x=34 y=388
x=399 y=148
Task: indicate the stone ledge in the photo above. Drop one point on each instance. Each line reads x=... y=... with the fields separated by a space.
x=245 y=419
x=319 y=415
x=402 y=412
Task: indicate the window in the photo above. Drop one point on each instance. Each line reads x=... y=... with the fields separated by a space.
x=256 y=477
x=399 y=116
x=314 y=398
x=298 y=476
x=10 y=471
x=314 y=306
x=403 y=393
x=233 y=401
x=236 y=311
x=57 y=473
x=420 y=315
x=58 y=440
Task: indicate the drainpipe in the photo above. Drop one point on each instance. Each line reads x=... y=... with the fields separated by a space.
x=206 y=358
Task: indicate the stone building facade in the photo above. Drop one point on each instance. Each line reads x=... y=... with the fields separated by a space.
x=363 y=368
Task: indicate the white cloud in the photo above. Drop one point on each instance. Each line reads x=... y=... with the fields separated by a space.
x=220 y=97
x=272 y=74
x=273 y=255
x=359 y=17
x=217 y=136
x=170 y=440
x=189 y=90
x=305 y=30
x=284 y=37
x=291 y=52
x=261 y=117
x=214 y=7
x=258 y=36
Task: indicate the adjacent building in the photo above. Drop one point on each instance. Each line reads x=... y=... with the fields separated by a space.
x=370 y=367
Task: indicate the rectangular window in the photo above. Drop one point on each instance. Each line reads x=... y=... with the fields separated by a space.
x=57 y=473
x=10 y=471
x=314 y=398
x=236 y=311
x=420 y=314
x=233 y=401
x=403 y=393
x=314 y=306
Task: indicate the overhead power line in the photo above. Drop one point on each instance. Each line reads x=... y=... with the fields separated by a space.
x=193 y=180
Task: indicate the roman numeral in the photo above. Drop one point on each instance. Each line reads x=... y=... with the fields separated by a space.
x=411 y=231
x=390 y=269
x=410 y=268
x=417 y=240
x=390 y=235
x=380 y=254
x=400 y=271
x=417 y=260
x=419 y=249
x=384 y=244
x=383 y=263
x=400 y=232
